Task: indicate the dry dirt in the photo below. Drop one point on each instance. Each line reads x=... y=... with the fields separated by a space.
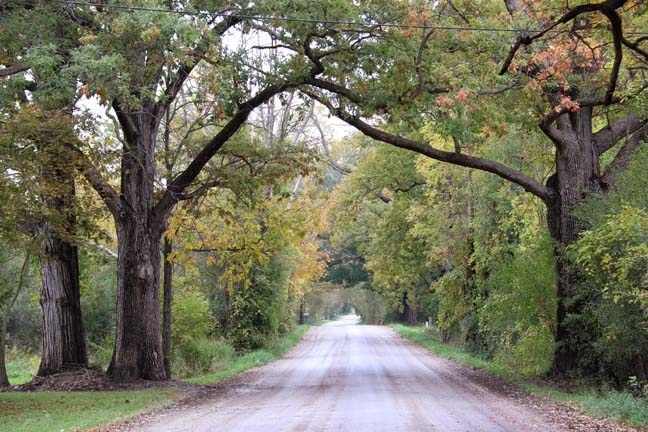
x=344 y=377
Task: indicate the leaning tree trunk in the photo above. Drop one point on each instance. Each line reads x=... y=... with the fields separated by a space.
x=138 y=347
x=577 y=174
x=64 y=345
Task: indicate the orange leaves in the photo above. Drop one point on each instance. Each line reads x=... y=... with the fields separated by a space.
x=567 y=104
x=444 y=102
x=461 y=97
x=88 y=91
x=414 y=19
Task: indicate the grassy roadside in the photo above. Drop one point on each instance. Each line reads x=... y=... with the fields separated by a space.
x=71 y=411
x=253 y=359
x=68 y=411
x=598 y=403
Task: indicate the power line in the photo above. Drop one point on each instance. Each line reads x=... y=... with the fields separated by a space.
x=284 y=19
x=306 y=20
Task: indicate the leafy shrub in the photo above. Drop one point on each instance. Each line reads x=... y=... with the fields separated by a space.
x=100 y=354
x=613 y=259
x=191 y=318
x=202 y=356
x=519 y=314
x=260 y=310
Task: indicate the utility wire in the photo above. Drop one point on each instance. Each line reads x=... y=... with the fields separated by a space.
x=304 y=20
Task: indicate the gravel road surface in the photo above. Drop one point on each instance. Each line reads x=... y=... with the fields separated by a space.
x=347 y=377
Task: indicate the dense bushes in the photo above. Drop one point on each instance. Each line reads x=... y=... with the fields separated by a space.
x=262 y=309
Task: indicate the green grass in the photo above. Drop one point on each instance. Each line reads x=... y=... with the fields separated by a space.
x=253 y=359
x=620 y=406
x=427 y=340
x=68 y=411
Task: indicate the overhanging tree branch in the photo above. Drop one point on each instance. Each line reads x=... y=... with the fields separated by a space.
x=461 y=159
x=177 y=187
x=608 y=9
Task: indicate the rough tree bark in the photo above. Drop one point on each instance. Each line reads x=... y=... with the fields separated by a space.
x=64 y=345
x=138 y=350
x=577 y=175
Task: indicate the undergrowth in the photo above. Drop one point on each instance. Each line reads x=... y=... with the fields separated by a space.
x=225 y=363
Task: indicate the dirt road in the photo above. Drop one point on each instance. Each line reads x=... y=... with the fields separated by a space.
x=346 y=377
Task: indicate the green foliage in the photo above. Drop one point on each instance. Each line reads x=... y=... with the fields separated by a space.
x=22 y=365
x=259 y=309
x=614 y=255
x=201 y=356
x=191 y=318
x=231 y=365
x=98 y=280
x=518 y=315
x=370 y=305
x=613 y=259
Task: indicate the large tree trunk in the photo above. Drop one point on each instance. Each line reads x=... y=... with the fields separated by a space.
x=577 y=174
x=64 y=345
x=138 y=347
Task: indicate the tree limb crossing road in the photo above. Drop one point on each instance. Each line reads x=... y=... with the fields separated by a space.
x=346 y=377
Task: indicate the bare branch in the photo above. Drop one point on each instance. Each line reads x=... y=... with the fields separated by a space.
x=107 y=193
x=625 y=155
x=617 y=35
x=607 y=137
x=14 y=69
x=183 y=180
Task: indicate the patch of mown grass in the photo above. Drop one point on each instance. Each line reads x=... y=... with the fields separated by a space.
x=617 y=405
x=232 y=366
x=68 y=411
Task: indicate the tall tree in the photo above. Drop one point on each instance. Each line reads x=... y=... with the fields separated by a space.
x=137 y=61
x=413 y=80
x=42 y=132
